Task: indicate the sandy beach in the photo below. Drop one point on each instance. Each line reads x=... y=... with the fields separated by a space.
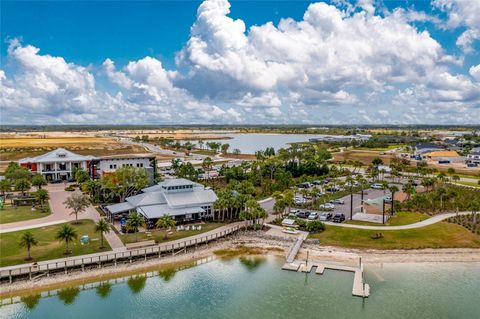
x=250 y=242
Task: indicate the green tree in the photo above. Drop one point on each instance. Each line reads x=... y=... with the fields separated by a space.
x=134 y=221
x=225 y=148
x=67 y=234
x=377 y=161
x=165 y=222
x=102 y=227
x=38 y=180
x=28 y=240
x=78 y=203
x=207 y=165
x=393 y=189
x=41 y=195
x=15 y=172
x=22 y=185
x=5 y=186
x=81 y=176
x=126 y=181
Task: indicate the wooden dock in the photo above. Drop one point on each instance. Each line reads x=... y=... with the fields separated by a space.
x=360 y=289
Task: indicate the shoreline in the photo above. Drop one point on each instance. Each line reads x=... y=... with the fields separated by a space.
x=242 y=244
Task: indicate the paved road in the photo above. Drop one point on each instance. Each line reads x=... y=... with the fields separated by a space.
x=430 y=221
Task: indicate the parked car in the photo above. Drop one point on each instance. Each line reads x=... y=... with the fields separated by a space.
x=300 y=200
x=317 y=183
x=388 y=199
x=327 y=206
x=326 y=181
x=325 y=216
x=304 y=185
x=334 y=189
x=338 y=218
x=376 y=186
x=337 y=201
x=56 y=181
x=294 y=211
x=303 y=214
x=353 y=184
x=313 y=216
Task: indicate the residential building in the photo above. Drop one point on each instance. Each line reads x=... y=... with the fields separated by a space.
x=423 y=148
x=57 y=164
x=180 y=198
x=105 y=165
x=474 y=156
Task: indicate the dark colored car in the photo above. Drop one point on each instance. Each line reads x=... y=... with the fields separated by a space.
x=303 y=214
x=338 y=218
x=317 y=183
x=304 y=185
x=56 y=181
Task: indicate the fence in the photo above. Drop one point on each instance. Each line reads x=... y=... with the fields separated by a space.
x=44 y=268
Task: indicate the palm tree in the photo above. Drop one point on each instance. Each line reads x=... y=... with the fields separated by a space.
x=165 y=222
x=27 y=240
x=78 y=203
x=66 y=233
x=134 y=221
x=101 y=227
x=41 y=195
x=393 y=189
x=207 y=165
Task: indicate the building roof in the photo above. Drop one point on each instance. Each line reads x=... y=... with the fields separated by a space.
x=196 y=197
x=126 y=156
x=120 y=207
x=475 y=151
x=442 y=154
x=156 y=201
x=157 y=211
x=146 y=199
x=428 y=146
x=58 y=155
x=176 y=182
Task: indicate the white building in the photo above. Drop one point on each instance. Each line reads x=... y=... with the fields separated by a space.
x=180 y=198
x=57 y=164
x=474 y=156
x=102 y=166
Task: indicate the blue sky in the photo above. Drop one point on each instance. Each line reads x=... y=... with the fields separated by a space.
x=165 y=62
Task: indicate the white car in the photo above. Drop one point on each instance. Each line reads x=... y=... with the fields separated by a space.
x=300 y=200
x=377 y=186
x=313 y=216
x=327 y=206
x=337 y=201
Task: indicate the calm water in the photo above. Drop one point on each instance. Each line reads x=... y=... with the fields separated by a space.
x=250 y=143
x=251 y=287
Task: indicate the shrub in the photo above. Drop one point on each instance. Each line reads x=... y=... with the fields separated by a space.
x=70 y=188
x=315 y=226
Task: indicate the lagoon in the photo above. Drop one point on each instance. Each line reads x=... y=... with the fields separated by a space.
x=256 y=287
x=250 y=143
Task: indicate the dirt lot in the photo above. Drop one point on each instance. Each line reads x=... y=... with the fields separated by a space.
x=14 y=148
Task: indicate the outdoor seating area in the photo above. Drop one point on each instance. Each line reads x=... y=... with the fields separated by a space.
x=188 y=227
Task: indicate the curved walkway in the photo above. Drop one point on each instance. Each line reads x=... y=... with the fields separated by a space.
x=423 y=223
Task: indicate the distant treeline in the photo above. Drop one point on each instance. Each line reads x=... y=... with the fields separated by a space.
x=293 y=128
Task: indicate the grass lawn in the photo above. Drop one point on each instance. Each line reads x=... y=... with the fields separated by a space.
x=468 y=183
x=158 y=235
x=439 y=235
x=48 y=247
x=401 y=218
x=11 y=214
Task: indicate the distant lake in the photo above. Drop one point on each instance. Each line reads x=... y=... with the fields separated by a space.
x=250 y=143
x=256 y=287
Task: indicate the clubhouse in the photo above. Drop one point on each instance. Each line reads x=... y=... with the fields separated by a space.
x=180 y=198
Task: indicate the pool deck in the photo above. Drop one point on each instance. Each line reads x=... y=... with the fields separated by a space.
x=360 y=289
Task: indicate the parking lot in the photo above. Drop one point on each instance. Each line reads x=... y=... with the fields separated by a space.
x=345 y=208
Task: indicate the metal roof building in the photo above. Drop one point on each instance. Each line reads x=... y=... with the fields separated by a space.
x=180 y=198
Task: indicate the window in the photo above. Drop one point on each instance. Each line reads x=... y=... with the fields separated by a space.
x=111 y=166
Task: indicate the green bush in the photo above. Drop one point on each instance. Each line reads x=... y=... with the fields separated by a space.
x=70 y=188
x=315 y=226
